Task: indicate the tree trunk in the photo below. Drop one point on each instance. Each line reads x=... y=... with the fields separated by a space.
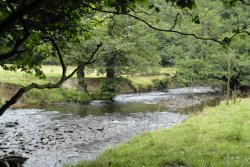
x=110 y=67
x=229 y=76
x=82 y=86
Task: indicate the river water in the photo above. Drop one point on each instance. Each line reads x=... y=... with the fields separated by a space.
x=62 y=134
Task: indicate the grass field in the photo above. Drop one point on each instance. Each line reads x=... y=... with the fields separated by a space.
x=52 y=72
x=22 y=78
x=216 y=137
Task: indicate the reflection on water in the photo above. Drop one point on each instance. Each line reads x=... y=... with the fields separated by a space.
x=101 y=108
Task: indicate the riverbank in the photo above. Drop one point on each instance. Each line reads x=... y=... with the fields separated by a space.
x=10 y=83
x=218 y=136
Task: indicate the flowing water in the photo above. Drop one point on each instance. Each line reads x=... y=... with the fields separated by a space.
x=68 y=133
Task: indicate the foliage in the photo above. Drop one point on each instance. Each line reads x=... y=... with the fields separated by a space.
x=161 y=84
x=214 y=21
x=109 y=88
x=213 y=137
x=126 y=46
x=58 y=95
x=215 y=65
x=24 y=25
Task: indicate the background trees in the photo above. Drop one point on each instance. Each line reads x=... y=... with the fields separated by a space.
x=197 y=60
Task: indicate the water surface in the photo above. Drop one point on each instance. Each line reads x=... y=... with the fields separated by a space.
x=54 y=135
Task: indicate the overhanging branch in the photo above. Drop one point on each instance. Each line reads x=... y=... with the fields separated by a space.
x=15 y=50
x=91 y=58
x=63 y=78
x=244 y=2
x=171 y=30
x=64 y=68
x=184 y=33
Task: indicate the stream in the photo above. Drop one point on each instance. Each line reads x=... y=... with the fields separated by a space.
x=55 y=135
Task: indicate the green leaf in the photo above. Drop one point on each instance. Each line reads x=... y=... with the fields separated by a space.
x=226 y=40
x=243 y=36
x=196 y=19
x=151 y=6
x=157 y=9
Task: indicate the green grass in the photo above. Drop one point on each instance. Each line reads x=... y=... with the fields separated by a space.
x=216 y=137
x=58 y=95
x=23 y=79
x=53 y=72
x=61 y=94
x=145 y=82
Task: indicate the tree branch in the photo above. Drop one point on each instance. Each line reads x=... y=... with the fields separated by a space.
x=18 y=43
x=90 y=59
x=175 y=21
x=144 y=12
x=244 y=2
x=64 y=68
x=184 y=33
x=63 y=78
x=171 y=30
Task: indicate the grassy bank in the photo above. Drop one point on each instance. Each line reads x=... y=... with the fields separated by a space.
x=18 y=78
x=217 y=137
x=51 y=96
x=54 y=72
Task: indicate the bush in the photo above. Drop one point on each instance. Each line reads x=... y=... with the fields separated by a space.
x=161 y=84
x=84 y=98
x=143 y=88
x=109 y=88
x=57 y=95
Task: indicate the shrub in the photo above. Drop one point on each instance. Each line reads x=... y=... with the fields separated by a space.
x=161 y=84
x=109 y=88
x=84 y=98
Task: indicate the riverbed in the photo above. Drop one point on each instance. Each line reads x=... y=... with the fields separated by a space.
x=55 y=135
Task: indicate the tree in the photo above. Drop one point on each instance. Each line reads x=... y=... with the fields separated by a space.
x=128 y=48
x=227 y=65
x=80 y=54
x=200 y=60
x=29 y=28
x=209 y=19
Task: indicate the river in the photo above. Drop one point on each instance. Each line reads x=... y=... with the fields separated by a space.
x=55 y=135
